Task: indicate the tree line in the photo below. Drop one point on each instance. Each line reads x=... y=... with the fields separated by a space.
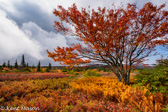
x=23 y=65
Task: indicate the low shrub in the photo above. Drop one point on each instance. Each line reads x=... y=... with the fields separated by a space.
x=5 y=71
x=78 y=69
x=28 y=69
x=70 y=72
x=165 y=109
x=26 y=72
x=91 y=73
x=53 y=95
x=17 y=71
x=111 y=89
x=64 y=70
x=1 y=68
x=106 y=70
x=156 y=80
x=47 y=70
x=59 y=71
x=75 y=74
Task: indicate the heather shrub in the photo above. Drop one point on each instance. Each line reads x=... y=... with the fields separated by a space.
x=1 y=68
x=156 y=80
x=64 y=70
x=47 y=70
x=70 y=72
x=111 y=89
x=91 y=73
x=28 y=69
x=75 y=74
x=165 y=109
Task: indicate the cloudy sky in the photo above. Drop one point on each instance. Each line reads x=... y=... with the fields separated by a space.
x=26 y=27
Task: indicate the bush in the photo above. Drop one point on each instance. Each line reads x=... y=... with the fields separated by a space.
x=17 y=71
x=90 y=73
x=59 y=71
x=78 y=69
x=165 y=109
x=106 y=70
x=64 y=70
x=75 y=74
x=26 y=72
x=162 y=62
x=156 y=80
x=1 y=68
x=27 y=69
x=70 y=72
x=6 y=71
x=47 y=70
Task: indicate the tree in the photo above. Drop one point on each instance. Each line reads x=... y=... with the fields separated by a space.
x=162 y=61
x=27 y=65
x=16 y=65
x=38 y=67
x=23 y=64
x=120 y=38
x=33 y=66
x=49 y=66
x=8 y=64
x=4 y=64
x=1 y=67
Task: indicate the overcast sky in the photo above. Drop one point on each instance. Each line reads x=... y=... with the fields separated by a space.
x=26 y=27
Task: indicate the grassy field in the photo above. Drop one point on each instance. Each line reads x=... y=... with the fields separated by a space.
x=62 y=92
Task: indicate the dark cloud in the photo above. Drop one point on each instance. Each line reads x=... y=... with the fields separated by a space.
x=27 y=11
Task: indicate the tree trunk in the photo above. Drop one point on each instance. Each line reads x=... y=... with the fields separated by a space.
x=119 y=78
x=126 y=78
x=122 y=76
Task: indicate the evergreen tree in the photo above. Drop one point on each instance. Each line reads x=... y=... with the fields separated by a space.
x=38 y=67
x=23 y=64
x=33 y=66
x=11 y=67
x=27 y=65
x=16 y=64
x=8 y=64
x=49 y=66
x=1 y=67
x=4 y=64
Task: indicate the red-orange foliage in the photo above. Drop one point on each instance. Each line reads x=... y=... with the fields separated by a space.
x=116 y=37
x=67 y=56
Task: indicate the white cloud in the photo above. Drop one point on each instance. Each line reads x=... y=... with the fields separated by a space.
x=48 y=40
x=9 y=5
x=29 y=39
x=14 y=42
